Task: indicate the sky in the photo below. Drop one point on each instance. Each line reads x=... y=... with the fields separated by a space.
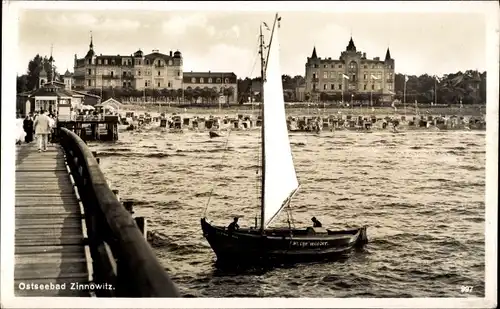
x=420 y=42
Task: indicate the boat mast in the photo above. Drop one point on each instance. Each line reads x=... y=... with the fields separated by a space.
x=263 y=65
x=263 y=143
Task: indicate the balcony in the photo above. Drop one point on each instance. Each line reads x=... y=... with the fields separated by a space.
x=159 y=65
x=315 y=79
x=108 y=76
x=128 y=77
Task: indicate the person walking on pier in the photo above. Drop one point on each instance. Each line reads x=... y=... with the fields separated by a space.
x=42 y=130
x=28 y=128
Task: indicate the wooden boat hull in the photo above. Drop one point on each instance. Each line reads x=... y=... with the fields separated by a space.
x=248 y=246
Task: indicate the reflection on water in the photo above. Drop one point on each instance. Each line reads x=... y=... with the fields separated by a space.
x=420 y=193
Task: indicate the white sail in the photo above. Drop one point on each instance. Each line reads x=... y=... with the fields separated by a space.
x=280 y=177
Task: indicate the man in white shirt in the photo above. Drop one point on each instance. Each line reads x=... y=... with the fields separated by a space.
x=42 y=130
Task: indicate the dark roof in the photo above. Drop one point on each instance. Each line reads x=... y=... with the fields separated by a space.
x=85 y=93
x=155 y=55
x=314 y=55
x=209 y=74
x=188 y=76
x=50 y=90
x=90 y=54
x=177 y=54
x=351 y=46
x=388 y=54
x=68 y=73
x=138 y=53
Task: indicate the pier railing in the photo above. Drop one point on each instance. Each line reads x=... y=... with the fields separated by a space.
x=121 y=256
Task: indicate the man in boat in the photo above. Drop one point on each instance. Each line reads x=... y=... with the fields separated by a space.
x=233 y=226
x=316 y=222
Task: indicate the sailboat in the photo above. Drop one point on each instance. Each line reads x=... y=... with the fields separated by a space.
x=279 y=184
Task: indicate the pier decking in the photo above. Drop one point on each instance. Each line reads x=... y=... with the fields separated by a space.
x=49 y=234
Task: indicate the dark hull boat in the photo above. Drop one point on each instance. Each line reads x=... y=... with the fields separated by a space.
x=213 y=134
x=279 y=183
x=249 y=246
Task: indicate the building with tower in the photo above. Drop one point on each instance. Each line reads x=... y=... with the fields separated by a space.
x=353 y=73
x=136 y=71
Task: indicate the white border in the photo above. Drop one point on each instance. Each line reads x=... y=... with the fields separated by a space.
x=9 y=43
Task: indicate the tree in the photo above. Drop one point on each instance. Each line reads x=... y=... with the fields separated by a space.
x=227 y=92
x=180 y=94
x=34 y=68
x=22 y=83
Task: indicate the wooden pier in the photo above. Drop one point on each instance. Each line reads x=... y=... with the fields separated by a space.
x=73 y=237
x=50 y=237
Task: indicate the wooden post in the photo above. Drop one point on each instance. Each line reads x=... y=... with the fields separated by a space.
x=115 y=192
x=142 y=224
x=128 y=204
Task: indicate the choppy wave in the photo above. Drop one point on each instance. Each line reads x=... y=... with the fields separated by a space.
x=425 y=213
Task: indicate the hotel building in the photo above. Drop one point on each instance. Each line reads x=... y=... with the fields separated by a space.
x=138 y=70
x=352 y=73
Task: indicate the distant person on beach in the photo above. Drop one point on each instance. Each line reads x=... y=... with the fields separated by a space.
x=316 y=222
x=42 y=130
x=28 y=128
x=233 y=226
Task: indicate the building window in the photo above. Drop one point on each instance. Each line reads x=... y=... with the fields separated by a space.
x=90 y=61
x=218 y=80
x=159 y=73
x=105 y=61
x=209 y=80
x=139 y=72
x=314 y=86
x=340 y=66
x=112 y=73
x=89 y=82
x=366 y=67
x=178 y=73
x=193 y=80
x=226 y=81
x=379 y=75
x=332 y=74
x=147 y=62
x=90 y=71
x=124 y=74
x=325 y=87
x=146 y=83
x=158 y=84
x=373 y=87
x=352 y=65
x=389 y=86
x=332 y=86
x=99 y=61
x=373 y=66
x=170 y=62
x=364 y=87
x=201 y=80
x=353 y=77
x=325 y=74
x=390 y=66
x=364 y=76
x=124 y=84
x=325 y=66
x=169 y=84
x=340 y=86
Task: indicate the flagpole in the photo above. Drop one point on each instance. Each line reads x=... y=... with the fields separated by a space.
x=435 y=90
x=404 y=96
